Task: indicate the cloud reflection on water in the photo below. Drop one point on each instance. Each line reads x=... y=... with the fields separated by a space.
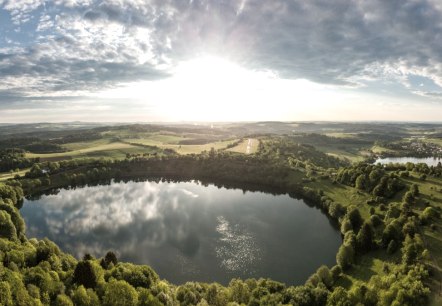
x=186 y=231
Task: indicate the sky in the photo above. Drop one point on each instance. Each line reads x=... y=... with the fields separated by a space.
x=220 y=60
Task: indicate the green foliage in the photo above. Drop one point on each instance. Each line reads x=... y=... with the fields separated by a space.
x=63 y=300
x=391 y=232
x=7 y=228
x=110 y=258
x=376 y=221
x=239 y=291
x=402 y=288
x=415 y=190
x=37 y=272
x=429 y=214
x=355 y=218
x=17 y=220
x=370 y=178
x=392 y=246
x=298 y=155
x=146 y=298
x=5 y=294
x=339 y=297
x=346 y=226
x=119 y=293
x=411 y=250
x=345 y=256
x=12 y=159
x=86 y=274
x=12 y=193
x=325 y=276
x=83 y=297
x=135 y=275
x=364 y=239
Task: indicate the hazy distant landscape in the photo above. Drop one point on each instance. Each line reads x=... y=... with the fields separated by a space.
x=222 y=153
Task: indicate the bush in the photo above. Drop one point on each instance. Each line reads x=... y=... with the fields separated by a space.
x=136 y=276
x=85 y=274
x=5 y=294
x=336 y=272
x=7 y=228
x=355 y=218
x=428 y=214
x=83 y=297
x=364 y=238
x=63 y=300
x=325 y=276
x=375 y=220
x=392 y=247
x=119 y=293
x=345 y=256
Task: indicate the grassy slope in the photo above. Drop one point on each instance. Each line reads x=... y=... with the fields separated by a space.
x=431 y=191
x=371 y=263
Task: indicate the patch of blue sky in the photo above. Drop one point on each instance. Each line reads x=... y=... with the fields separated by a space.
x=24 y=34
x=422 y=83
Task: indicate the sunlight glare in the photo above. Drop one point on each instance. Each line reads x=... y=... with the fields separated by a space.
x=212 y=89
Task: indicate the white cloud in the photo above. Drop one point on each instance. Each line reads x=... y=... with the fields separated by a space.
x=73 y=3
x=20 y=10
x=45 y=23
x=22 y=5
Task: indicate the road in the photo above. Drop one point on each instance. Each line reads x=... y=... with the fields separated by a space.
x=249 y=146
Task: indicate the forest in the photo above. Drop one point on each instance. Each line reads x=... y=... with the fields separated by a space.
x=389 y=217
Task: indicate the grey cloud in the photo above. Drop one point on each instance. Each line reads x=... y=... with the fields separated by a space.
x=324 y=41
x=333 y=42
x=64 y=73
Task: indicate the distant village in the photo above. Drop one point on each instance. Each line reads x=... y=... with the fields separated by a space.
x=414 y=148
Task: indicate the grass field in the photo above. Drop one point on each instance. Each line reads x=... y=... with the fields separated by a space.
x=157 y=139
x=379 y=150
x=247 y=146
x=110 y=148
x=7 y=175
x=92 y=149
x=189 y=149
x=351 y=153
x=342 y=135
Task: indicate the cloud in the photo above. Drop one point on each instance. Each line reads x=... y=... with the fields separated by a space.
x=430 y=94
x=87 y=45
x=329 y=42
x=20 y=9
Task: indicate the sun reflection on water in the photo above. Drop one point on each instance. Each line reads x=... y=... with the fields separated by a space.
x=238 y=248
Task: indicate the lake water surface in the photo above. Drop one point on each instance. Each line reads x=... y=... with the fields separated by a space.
x=187 y=231
x=430 y=161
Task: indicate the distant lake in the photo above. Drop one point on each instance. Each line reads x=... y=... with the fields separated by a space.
x=430 y=161
x=187 y=231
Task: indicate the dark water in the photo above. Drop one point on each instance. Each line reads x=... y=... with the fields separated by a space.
x=189 y=232
x=430 y=161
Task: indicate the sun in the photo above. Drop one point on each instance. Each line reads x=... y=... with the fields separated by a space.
x=212 y=88
x=215 y=89
x=211 y=71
